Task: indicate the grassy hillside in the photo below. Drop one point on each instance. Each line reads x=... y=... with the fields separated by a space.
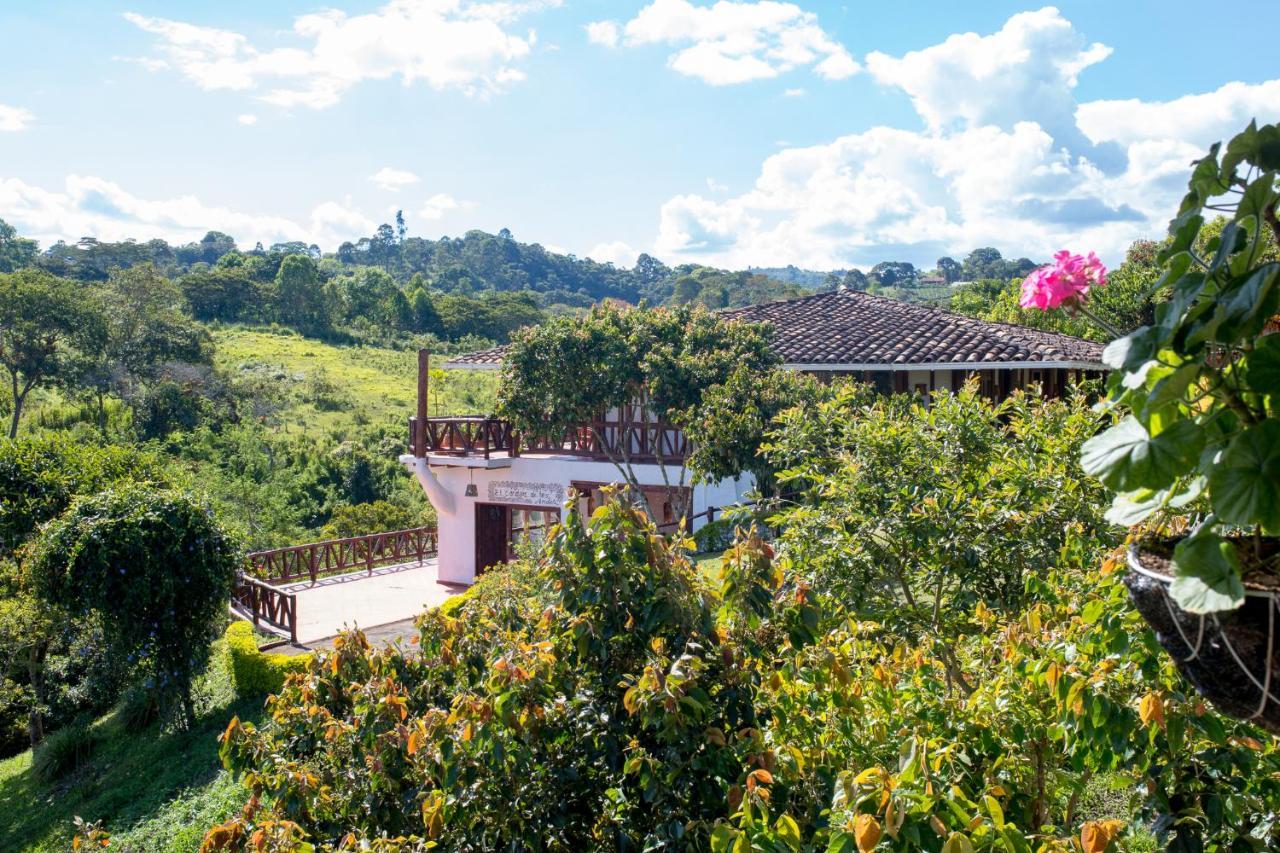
x=153 y=790
x=327 y=386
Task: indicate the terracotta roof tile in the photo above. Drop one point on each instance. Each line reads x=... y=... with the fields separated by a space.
x=853 y=328
x=850 y=327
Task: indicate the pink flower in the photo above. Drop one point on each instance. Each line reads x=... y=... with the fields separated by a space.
x=1064 y=282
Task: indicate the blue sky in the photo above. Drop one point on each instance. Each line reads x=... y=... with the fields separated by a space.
x=823 y=134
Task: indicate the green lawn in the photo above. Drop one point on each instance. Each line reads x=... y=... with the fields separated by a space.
x=154 y=790
x=369 y=384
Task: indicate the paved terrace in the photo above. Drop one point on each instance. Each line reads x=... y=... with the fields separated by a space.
x=377 y=583
x=390 y=595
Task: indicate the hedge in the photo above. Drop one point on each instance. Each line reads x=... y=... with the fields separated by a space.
x=254 y=672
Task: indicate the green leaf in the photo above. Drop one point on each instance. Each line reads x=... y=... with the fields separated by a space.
x=1127 y=457
x=1206 y=575
x=1245 y=484
x=788 y=831
x=1250 y=304
x=1262 y=366
x=1133 y=350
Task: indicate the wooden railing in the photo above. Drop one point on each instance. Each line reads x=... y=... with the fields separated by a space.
x=478 y=435
x=262 y=602
x=464 y=435
x=339 y=556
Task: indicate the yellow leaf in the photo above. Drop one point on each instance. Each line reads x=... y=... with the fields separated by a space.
x=1097 y=835
x=958 y=843
x=1151 y=709
x=866 y=831
x=1051 y=676
x=893 y=818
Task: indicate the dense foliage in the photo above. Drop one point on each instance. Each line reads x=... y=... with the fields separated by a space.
x=153 y=568
x=571 y=371
x=934 y=653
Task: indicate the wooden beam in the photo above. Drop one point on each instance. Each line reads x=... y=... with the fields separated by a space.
x=424 y=377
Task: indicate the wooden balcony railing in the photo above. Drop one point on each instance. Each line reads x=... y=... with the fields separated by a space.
x=262 y=602
x=477 y=435
x=340 y=556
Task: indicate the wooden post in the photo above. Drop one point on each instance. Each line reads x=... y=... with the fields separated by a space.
x=424 y=377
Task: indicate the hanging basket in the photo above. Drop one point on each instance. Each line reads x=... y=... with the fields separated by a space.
x=1232 y=658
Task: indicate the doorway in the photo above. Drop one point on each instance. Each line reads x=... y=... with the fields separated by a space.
x=500 y=527
x=492 y=528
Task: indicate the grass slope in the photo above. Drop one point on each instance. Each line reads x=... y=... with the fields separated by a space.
x=154 y=790
x=366 y=384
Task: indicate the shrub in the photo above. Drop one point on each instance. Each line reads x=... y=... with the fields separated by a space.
x=154 y=567
x=257 y=673
x=65 y=750
x=610 y=718
x=139 y=709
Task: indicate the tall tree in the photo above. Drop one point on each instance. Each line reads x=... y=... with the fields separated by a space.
x=949 y=268
x=142 y=329
x=45 y=322
x=15 y=252
x=300 y=299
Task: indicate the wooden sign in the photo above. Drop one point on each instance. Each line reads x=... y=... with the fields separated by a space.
x=527 y=494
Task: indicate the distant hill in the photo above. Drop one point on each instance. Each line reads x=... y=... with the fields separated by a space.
x=810 y=279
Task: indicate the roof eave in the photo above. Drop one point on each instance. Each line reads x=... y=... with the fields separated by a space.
x=945 y=365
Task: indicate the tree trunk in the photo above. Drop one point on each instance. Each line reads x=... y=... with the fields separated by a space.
x=35 y=671
x=17 y=407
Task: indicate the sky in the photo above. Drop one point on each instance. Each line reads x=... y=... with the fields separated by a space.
x=735 y=133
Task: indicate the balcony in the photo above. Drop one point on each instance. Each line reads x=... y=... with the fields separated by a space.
x=637 y=440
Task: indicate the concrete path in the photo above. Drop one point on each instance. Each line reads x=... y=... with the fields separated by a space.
x=391 y=596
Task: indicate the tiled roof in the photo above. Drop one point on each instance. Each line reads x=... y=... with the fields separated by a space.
x=480 y=358
x=848 y=327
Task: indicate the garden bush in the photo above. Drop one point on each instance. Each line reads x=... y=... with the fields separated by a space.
x=254 y=672
x=64 y=751
x=154 y=568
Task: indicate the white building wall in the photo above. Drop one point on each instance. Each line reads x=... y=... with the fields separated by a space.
x=539 y=481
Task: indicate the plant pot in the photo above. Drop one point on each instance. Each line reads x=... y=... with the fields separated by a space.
x=1230 y=657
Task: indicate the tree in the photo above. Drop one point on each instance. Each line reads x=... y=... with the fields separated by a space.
x=949 y=269
x=731 y=423
x=854 y=279
x=44 y=321
x=142 y=330
x=222 y=293
x=114 y=555
x=15 y=252
x=894 y=273
x=39 y=479
x=300 y=298
x=562 y=375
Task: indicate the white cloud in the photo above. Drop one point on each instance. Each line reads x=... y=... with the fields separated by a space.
x=1024 y=72
x=604 y=33
x=448 y=44
x=437 y=206
x=617 y=253
x=247 y=119
x=13 y=119
x=1001 y=162
x=793 y=93
x=732 y=41
x=1202 y=119
x=393 y=179
x=89 y=206
x=716 y=187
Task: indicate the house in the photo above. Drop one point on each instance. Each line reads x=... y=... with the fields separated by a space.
x=931 y=281
x=493 y=490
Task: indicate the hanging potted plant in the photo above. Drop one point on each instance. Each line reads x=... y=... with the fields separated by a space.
x=1194 y=458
